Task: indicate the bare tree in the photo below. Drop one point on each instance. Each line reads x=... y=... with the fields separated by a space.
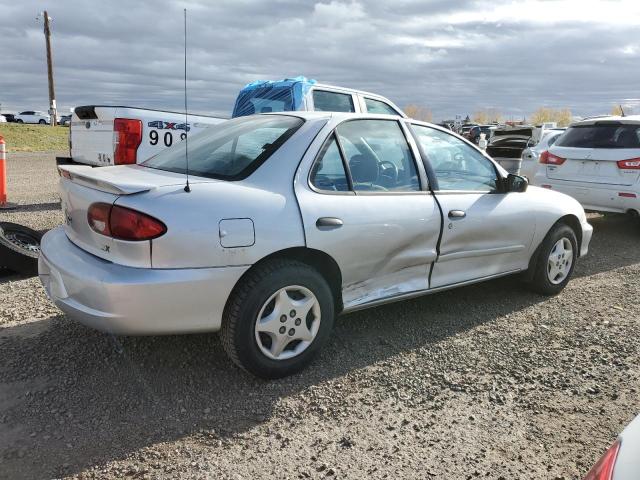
x=617 y=110
x=419 y=113
x=546 y=114
x=488 y=115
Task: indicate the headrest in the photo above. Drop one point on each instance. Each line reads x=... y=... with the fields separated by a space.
x=364 y=169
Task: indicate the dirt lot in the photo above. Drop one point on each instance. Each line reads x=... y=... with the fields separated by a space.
x=489 y=381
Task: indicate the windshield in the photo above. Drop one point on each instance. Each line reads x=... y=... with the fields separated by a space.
x=612 y=135
x=231 y=150
x=263 y=100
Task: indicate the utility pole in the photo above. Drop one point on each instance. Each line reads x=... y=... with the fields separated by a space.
x=52 y=93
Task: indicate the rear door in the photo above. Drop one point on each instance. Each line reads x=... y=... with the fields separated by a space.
x=365 y=202
x=597 y=154
x=485 y=232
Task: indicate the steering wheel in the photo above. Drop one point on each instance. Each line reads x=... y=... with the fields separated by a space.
x=388 y=170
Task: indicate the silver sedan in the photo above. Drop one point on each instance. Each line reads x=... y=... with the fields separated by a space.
x=290 y=219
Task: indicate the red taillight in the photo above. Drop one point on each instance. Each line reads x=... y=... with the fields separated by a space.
x=123 y=223
x=603 y=469
x=631 y=164
x=98 y=217
x=128 y=136
x=551 y=159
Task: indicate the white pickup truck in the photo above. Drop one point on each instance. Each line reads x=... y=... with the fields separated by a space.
x=103 y=135
x=108 y=135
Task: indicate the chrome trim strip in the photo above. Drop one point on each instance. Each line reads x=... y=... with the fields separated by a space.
x=480 y=253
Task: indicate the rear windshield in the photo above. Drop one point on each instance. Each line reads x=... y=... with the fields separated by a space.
x=263 y=100
x=231 y=150
x=614 y=135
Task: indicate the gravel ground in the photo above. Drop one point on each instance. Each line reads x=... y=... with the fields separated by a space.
x=488 y=381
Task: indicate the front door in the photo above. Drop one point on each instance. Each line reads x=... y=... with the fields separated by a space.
x=365 y=203
x=485 y=232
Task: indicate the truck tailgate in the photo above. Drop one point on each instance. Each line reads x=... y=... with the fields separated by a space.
x=91 y=133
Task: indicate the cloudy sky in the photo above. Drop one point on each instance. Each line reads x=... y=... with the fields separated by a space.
x=454 y=57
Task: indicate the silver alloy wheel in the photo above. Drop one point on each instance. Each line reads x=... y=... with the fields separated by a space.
x=560 y=261
x=288 y=322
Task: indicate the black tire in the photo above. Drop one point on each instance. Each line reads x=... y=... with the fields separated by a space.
x=42 y=122
x=540 y=281
x=19 y=248
x=19 y=121
x=245 y=303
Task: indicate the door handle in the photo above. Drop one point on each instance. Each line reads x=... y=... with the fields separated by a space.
x=329 y=222
x=457 y=214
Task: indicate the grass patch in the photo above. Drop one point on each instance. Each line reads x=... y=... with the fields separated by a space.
x=34 y=138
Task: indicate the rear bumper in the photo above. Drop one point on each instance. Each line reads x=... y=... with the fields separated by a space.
x=600 y=198
x=132 y=301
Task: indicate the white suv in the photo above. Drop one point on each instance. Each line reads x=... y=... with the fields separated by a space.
x=596 y=161
x=31 y=116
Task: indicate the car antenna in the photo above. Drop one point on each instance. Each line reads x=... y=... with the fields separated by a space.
x=187 y=188
x=621 y=111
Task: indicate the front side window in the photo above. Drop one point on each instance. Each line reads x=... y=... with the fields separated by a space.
x=328 y=172
x=378 y=156
x=376 y=106
x=231 y=150
x=457 y=165
x=325 y=101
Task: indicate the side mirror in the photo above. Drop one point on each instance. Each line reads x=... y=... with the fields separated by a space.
x=516 y=183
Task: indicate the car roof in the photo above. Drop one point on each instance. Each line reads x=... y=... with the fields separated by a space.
x=335 y=115
x=629 y=119
x=341 y=116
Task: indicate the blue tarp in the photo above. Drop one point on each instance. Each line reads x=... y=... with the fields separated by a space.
x=272 y=96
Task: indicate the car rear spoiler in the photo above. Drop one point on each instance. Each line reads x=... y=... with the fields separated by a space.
x=101 y=179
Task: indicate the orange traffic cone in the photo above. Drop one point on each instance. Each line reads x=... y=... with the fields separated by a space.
x=4 y=205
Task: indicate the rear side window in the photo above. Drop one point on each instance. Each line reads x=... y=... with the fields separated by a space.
x=376 y=106
x=231 y=150
x=613 y=135
x=263 y=100
x=326 y=101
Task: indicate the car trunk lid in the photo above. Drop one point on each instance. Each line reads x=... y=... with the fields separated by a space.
x=81 y=186
x=594 y=165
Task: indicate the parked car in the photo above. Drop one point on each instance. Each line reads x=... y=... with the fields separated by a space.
x=531 y=154
x=103 y=135
x=31 y=116
x=65 y=120
x=507 y=144
x=466 y=128
x=290 y=219
x=448 y=126
x=622 y=460
x=10 y=117
x=474 y=132
x=598 y=163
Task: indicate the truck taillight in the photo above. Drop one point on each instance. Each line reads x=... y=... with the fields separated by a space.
x=631 y=164
x=603 y=469
x=123 y=223
x=547 y=158
x=127 y=137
